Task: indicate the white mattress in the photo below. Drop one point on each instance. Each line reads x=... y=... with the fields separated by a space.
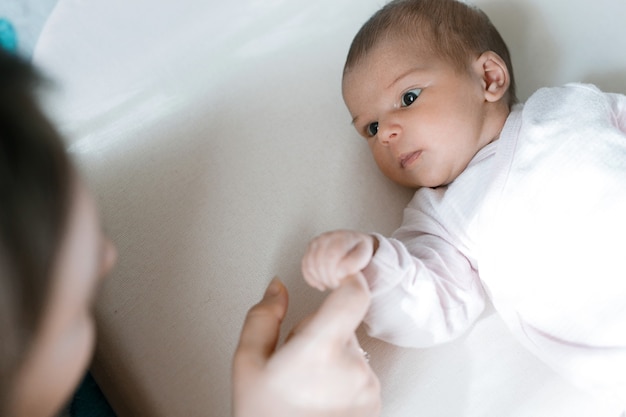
x=215 y=137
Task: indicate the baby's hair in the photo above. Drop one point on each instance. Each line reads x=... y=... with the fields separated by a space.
x=453 y=30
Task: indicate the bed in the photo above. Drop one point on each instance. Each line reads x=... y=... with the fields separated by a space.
x=216 y=141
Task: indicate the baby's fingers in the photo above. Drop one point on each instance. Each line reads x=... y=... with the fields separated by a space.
x=320 y=260
x=334 y=255
x=318 y=264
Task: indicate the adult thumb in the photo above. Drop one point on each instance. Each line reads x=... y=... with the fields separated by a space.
x=261 y=327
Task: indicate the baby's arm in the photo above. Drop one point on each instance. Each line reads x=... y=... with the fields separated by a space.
x=332 y=256
x=424 y=291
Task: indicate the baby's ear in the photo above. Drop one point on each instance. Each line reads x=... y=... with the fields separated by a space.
x=494 y=74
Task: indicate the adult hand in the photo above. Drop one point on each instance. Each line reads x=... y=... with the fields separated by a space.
x=334 y=255
x=320 y=371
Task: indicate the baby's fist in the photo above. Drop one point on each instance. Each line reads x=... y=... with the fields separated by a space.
x=332 y=256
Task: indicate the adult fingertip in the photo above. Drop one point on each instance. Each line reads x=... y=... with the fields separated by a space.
x=274 y=288
x=275 y=298
x=343 y=310
x=358 y=286
x=261 y=327
x=356 y=294
x=362 y=282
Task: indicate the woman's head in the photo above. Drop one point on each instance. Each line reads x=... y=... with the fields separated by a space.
x=47 y=224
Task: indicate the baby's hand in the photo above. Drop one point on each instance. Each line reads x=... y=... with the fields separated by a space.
x=333 y=256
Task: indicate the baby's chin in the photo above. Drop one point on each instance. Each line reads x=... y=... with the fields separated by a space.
x=419 y=182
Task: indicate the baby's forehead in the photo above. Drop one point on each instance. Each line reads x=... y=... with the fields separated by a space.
x=391 y=53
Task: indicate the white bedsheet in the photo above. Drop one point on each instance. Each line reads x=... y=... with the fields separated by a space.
x=216 y=140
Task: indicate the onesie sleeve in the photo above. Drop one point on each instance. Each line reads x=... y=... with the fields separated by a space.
x=424 y=290
x=618 y=102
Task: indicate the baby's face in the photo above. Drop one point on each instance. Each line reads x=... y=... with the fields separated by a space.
x=423 y=120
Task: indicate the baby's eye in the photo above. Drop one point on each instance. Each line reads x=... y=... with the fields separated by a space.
x=372 y=129
x=410 y=96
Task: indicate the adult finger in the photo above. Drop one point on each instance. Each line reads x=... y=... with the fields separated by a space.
x=261 y=327
x=342 y=311
x=356 y=258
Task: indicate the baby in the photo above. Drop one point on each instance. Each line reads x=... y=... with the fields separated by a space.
x=524 y=204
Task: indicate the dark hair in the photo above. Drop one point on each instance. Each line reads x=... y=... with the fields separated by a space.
x=36 y=178
x=453 y=31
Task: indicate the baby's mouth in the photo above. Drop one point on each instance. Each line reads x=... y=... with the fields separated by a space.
x=408 y=159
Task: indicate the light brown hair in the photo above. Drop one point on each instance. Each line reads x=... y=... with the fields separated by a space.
x=454 y=31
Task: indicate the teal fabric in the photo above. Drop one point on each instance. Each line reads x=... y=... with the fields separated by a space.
x=88 y=401
x=8 y=38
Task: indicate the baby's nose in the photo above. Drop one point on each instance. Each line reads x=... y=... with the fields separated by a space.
x=389 y=132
